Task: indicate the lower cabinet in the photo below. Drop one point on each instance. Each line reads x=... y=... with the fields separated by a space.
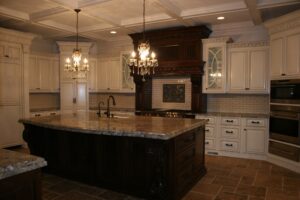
x=236 y=136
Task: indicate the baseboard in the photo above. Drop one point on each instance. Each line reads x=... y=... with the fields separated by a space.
x=282 y=162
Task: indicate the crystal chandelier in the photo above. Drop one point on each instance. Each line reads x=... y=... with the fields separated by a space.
x=145 y=63
x=76 y=64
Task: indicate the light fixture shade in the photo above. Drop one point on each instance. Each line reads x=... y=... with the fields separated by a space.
x=145 y=63
x=76 y=64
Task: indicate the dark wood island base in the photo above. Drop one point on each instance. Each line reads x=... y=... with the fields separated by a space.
x=144 y=167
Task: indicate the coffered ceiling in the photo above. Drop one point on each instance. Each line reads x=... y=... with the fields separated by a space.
x=55 y=19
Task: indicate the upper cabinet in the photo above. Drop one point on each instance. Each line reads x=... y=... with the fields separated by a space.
x=285 y=46
x=110 y=75
x=248 y=68
x=43 y=73
x=235 y=67
x=214 y=55
x=10 y=52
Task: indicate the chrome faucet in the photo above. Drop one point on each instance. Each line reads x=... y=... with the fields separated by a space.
x=108 y=107
x=99 y=108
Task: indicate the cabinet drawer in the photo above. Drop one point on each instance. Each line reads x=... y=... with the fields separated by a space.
x=210 y=144
x=256 y=122
x=184 y=141
x=211 y=119
x=230 y=146
x=209 y=131
x=283 y=150
x=230 y=132
x=230 y=121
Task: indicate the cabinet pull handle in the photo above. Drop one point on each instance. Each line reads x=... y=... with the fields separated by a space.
x=283 y=74
x=231 y=121
x=74 y=100
x=228 y=145
x=53 y=113
x=255 y=122
x=38 y=88
x=7 y=56
x=37 y=115
x=206 y=130
x=206 y=142
x=231 y=132
x=247 y=88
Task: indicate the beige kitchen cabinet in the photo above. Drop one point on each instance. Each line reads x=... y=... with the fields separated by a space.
x=255 y=136
x=285 y=56
x=248 y=69
x=43 y=74
x=10 y=95
x=215 y=57
x=284 y=34
x=73 y=96
x=10 y=52
x=109 y=75
x=92 y=74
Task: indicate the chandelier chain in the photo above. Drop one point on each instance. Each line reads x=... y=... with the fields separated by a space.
x=144 y=20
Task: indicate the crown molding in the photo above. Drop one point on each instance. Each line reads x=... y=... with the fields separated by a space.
x=66 y=47
x=217 y=40
x=283 y=23
x=16 y=36
x=249 y=44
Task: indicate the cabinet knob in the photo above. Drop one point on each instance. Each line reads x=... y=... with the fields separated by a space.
x=247 y=88
x=283 y=74
x=228 y=145
x=7 y=56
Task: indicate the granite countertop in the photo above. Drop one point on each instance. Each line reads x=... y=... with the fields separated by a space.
x=228 y=114
x=44 y=109
x=13 y=163
x=132 y=126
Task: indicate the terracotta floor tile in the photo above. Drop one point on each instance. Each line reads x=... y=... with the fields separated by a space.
x=251 y=190
x=247 y=180
x=226 y=181
x=197 y=196
x=73 y=195
x=230 y=196
x=111 y=195
x=291 y=182
x=63 y=187
x=209 y=189
x=49 y=195
x=268 y=180
x=275 y=193
x=229 y=189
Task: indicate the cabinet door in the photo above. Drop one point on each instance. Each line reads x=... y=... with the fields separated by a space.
x=45 y=66
x=81 y=96
x=67 y=97
x=92 y=75
x=11 y=130
x=102 y=75
x=277 y=57
x=237 y=70
x=255 y=140
x=55 y=76
x=292 y=66
x=13 y=51
x=258 y=67
x=10 y=77
x=34 y=74
x=114 y=73
x=215 y=69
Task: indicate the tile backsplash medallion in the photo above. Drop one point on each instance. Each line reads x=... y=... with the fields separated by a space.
x=238 y=103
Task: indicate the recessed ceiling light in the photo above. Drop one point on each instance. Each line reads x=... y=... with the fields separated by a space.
x=220 y=18
x=113 y=32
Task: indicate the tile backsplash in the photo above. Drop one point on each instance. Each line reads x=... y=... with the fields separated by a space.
x=123 y=100
x=44 y=101
x=238 y=103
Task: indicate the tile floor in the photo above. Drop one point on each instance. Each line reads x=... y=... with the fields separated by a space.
x=226 y=179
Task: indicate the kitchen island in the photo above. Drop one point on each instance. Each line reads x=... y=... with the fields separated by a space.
x=149 y=157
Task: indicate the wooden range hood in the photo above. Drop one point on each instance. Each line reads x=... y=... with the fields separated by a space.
x=179 y=53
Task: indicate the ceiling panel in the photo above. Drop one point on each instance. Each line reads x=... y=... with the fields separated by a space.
x=269 y=13
x=27 y=6
x=231 y=17
x=184 y=4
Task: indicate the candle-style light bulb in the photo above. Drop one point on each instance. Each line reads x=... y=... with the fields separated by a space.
x=153 y=55
x=133 y=54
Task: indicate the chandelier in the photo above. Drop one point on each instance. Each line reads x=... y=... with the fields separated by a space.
x=145 y=63
x=76 y=64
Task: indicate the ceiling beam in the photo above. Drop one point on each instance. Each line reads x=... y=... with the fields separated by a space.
x=170 y=9
x=46 y=14
x=254 y=12
x=13 y=14
x=261 y=4
x=89 y=3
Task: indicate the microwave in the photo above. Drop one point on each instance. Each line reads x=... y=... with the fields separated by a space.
x=285 y=91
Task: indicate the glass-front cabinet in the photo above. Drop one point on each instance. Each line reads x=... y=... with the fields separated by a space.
x=214 y=55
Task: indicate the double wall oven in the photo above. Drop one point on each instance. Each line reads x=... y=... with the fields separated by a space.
x=285 y=111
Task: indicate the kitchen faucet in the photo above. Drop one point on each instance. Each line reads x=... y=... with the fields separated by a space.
x=108 y=107
x=99 y=108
